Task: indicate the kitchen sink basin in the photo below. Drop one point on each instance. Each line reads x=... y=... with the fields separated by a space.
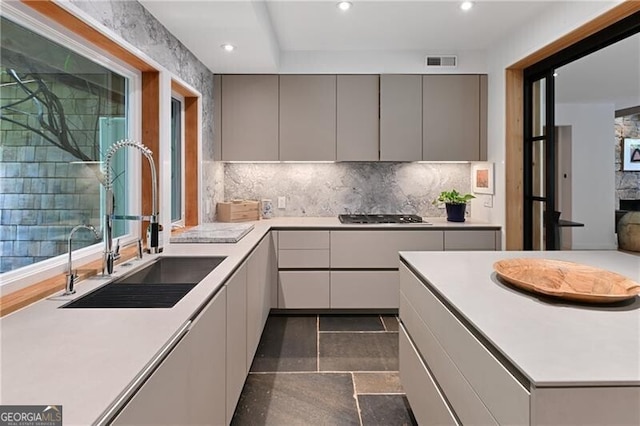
x=171 y=270
x=159 y=285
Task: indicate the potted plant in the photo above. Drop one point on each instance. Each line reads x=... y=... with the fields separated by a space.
x=455 y=203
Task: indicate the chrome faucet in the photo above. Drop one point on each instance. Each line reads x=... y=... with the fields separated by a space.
x=110 y=255
x=72 y=276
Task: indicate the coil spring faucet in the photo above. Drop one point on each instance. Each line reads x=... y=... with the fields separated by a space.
x=109 y=254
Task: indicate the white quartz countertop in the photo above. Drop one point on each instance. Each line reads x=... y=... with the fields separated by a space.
x=84 y=358
x=552 y=342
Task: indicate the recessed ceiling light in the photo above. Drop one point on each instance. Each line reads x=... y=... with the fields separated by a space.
x=344 y=5
x=466 y=5
x=228 y=47
x=555 y=73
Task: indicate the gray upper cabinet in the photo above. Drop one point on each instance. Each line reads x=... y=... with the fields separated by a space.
x=307 y=117
x=357 y=117
x=217 y=117
x=454 y=108
x=250 y=117
x=400 y=117
x=388 y=117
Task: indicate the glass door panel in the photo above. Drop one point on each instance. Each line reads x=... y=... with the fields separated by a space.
x=539 y=231
x=539 y=163
x=538 y=168
x=538 y=108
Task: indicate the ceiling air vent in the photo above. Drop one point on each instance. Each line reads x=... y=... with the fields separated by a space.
x=448 y=61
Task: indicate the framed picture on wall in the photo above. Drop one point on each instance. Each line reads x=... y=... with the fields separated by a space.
x=482 y=178
x=631 y=155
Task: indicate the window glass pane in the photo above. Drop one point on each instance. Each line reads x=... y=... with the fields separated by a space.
x=538 y=108
x=538 y=167
x=176 y=160
x=60 y=111
x=539 y=231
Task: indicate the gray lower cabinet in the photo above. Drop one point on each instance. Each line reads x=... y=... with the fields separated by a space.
x=303 y=249
x=260 y=273
x=454 y=373
x=364 y=290
x=357 y=117
x=307 y=118
x=236 y=338
x=303 y=262
x=472 y=240
x=358 y=269
x=369 y=253
x=400 y=117
x=427 y=402
x=249 y=117
x=379 y=249
x=304 y=290
x=475 y=385
x=188 y=387
x=201 y=378
x=454 y=117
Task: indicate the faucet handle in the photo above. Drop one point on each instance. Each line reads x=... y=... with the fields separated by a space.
x=139 y=247
x=116 y=251
x=70 y=285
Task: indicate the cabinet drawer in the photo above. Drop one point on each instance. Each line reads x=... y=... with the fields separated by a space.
x=379 y=249
x=364 y=289
x=303 y=259
x=303 y=290
x=499 y=390
x=463 y=400
x=304 y=240
x=427 y=403
x=470 y=240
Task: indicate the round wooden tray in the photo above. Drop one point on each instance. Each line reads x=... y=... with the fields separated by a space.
x=567 y=280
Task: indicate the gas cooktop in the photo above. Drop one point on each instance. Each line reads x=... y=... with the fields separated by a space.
x=379 y=218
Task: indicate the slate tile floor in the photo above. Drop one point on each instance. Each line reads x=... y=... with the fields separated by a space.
x=325 y=370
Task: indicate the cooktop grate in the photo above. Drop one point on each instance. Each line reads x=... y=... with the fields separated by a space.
x=379 y=218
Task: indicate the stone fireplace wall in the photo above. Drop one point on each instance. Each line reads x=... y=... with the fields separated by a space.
x=627 y=183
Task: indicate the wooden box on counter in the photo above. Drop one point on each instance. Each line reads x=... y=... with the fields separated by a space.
x=238 y=211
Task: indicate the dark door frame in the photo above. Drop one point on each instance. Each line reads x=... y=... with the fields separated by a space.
x=616 y=24
x=544 y=70
x=546 y=139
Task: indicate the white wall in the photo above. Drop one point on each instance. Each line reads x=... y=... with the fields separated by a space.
x=378 y=62
x=593 y=180
x=559 y=19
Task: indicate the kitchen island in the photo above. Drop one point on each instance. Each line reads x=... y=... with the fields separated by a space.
x=474 y=350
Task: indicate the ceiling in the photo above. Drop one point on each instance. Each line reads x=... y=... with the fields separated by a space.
x=378 y=36
x=264 y=32
x=610 y=75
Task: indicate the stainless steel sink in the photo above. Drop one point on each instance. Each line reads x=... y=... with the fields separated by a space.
x=171 y=270
x=159 y=285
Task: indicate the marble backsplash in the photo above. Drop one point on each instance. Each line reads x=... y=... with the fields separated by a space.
x=319 y=189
